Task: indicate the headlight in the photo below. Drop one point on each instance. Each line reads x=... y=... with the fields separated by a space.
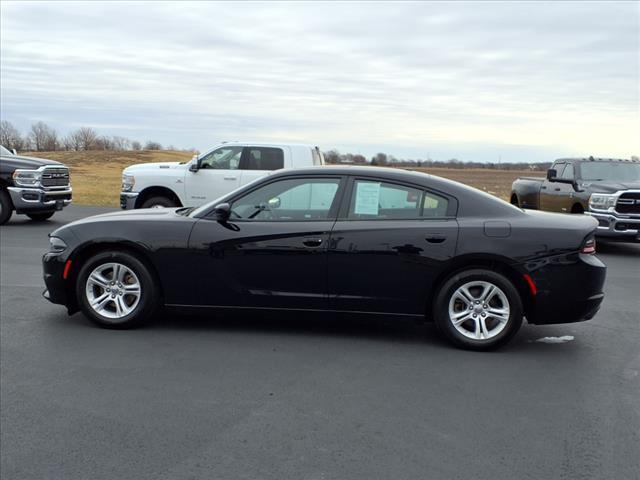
x=27 y=178
x=128 y=181
x=601 y=201
x=56 y=245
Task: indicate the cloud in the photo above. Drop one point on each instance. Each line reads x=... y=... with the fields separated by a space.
x=464 y=79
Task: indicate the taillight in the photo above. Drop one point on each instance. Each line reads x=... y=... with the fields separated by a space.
x=589 y=247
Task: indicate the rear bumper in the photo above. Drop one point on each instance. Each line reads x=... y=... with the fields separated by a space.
x=27 y=200
x=611 y=226
x=570 y=289
x=128 y=200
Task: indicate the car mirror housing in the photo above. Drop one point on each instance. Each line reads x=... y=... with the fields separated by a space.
x=552 y=175
x=274 y=202
x=222 y=212
x=194 y=166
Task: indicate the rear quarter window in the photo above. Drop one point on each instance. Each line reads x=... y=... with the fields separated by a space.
x=264 y=158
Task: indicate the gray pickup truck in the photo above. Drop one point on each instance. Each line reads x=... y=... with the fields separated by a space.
x=606 y=189
x=32 y=186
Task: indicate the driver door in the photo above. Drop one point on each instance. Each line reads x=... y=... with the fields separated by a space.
x=272 y=251
x=217 y=175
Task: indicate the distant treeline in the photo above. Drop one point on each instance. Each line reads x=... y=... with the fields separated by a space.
x=43 y=138
x=382 y=159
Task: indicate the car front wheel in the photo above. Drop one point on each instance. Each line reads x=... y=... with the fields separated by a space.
x=116 y=290
x=478 y=309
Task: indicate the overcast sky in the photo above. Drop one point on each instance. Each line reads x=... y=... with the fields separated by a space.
x=527 y=81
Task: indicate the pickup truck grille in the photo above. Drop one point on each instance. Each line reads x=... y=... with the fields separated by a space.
x=55 y=177
x=629 y=203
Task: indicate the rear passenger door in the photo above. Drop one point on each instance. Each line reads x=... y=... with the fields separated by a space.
x=388 y=245
x=259 y=161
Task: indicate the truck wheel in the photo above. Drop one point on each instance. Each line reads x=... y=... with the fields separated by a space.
x=40 y=217
x=6 y=207
x=478 y=309
x=159 y=202
x=116 y=290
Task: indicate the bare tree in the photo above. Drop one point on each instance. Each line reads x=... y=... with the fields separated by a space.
x=72 y=141
x=10 y=136
x=152 y=146
x=136 y=145
x=42 y=137
x=51 y=142
x=87 y=138
x=120 y=143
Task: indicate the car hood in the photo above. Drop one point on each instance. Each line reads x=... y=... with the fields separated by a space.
x=140 y=167
x=19 y=161
x=610 y=187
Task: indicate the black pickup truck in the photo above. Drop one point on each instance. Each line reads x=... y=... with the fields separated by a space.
x=33 y=186
x=607 y=189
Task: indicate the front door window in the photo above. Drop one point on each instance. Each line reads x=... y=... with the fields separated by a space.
x=223 y=158
x=305 y=199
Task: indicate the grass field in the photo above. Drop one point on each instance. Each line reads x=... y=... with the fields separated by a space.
x=96 y=175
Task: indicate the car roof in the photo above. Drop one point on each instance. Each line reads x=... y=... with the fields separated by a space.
x=594 y=159
x=386 y=173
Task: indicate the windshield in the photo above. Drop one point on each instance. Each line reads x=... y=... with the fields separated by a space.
x=4 y=151
x=612 y=171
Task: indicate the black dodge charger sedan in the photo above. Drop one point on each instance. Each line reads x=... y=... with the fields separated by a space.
x=337 y=239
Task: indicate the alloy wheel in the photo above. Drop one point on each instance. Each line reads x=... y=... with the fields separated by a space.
x=113 y=290
x=479 y=310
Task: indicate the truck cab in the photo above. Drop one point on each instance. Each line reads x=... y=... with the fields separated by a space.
x=209 y=175
x=35 y=187
x=607 y=189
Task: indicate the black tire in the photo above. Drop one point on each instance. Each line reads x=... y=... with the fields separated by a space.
x=6 y=207
x=445 y=324
x=40 y=217
x=159 y=202
x=149 y=293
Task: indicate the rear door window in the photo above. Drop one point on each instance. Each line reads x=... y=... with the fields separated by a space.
x=263 y=158
x=381 y=200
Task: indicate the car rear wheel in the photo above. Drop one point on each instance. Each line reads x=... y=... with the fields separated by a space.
x=6 y=208
x=40 y=217
x=478 y=309
x=159 y=202
x=116 y=290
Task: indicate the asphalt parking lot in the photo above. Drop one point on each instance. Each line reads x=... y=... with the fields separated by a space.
x=322 y=397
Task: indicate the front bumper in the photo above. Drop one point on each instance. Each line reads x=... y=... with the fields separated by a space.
x=27 y=200
x=570 y=289
x=57 y=288
x=612 y=226
x=128 y=200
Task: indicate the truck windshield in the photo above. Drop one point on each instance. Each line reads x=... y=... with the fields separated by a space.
x=613 y=171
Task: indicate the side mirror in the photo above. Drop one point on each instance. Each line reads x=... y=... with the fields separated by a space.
x=552 y=174
x=194 y=166
x=13 y=150
x=222 y=212
x=274 y=202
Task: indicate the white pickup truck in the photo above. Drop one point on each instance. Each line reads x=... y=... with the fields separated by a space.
x=209 y=175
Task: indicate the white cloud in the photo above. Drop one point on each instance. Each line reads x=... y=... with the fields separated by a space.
x=453 y=79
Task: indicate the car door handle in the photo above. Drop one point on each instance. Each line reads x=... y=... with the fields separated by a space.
x=557 y=189
x=230 y=178
x=312 y=242
x=435 y=239
x=543 y=188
